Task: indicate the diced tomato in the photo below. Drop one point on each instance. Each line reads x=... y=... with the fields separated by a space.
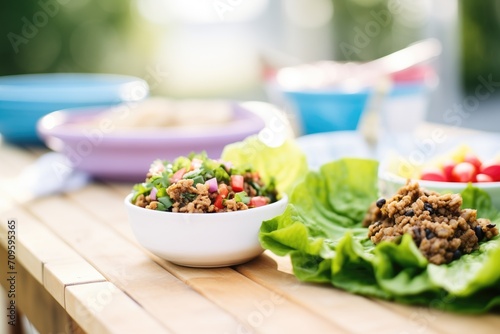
x=464 y=172
x=492 y=170
x=223 y=191
x=237 y=183
x=178 y=175
x=483 y=178
x=473 y=159
x=433 y=174
x=448 y=169
x=219 y=202
x=258 y=201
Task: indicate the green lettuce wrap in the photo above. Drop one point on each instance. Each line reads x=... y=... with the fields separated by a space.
x=322 y=232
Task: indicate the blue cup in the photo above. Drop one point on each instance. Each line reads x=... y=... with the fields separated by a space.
x=328 y=110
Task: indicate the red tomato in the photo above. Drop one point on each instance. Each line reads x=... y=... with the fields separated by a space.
x=483 y=178
x=237 y=183
x=223 y=191
x=447 y=169
x=433 y=174
x=492 y=170
x=178 y=175
x=473 y=159
x=464 y=172
x=219 y=202
x=258 y=201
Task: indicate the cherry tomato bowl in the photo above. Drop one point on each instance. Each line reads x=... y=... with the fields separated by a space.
x=202 y=239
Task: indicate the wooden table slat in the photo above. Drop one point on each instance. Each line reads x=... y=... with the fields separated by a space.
x=60 y=274
x=36 y=244
x=102 y=308
x=338 y=306
x=422 y=318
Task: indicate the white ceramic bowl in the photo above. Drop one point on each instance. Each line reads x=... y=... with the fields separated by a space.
x=390 y=183
x=202 y=239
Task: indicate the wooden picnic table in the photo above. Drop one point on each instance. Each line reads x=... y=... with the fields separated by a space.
x=78 y=268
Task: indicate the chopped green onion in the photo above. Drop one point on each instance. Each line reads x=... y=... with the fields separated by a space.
x=242 y=197
x=192 y=174
x=198 y=179
x=188 y=196
x=181 y=162
x=161 y=192
x=241 y=170
x=165 y=201
x=256 y=187
x=221 y=174
x=140 y=189
x=161 y=207
x=165 y=178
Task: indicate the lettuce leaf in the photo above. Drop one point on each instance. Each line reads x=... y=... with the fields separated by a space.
x=286 y=163
x=321 y=231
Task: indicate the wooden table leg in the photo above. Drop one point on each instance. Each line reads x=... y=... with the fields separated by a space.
x=33 y=300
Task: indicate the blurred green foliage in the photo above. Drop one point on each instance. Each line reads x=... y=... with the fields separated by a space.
x=362 y=33
x=369 y=29
x=40 y=36
x=480 y=40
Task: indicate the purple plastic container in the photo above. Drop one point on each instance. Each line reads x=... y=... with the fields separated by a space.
x=126 y=155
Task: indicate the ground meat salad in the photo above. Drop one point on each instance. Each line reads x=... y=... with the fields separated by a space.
x=441 y=230
x=197 y=184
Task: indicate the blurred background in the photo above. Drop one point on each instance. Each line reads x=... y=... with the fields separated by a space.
x=226 y=48
x=230 y=49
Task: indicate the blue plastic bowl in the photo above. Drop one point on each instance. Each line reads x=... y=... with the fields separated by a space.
x=328 y=110
x=24 y=99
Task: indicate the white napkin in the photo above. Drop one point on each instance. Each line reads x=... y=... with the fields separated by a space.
x=50 y=174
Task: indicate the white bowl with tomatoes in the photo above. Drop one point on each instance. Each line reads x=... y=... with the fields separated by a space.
x=451 y=175
x=200 y=212
x=199 y=239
